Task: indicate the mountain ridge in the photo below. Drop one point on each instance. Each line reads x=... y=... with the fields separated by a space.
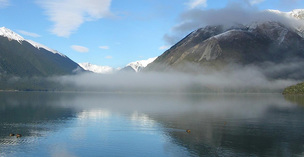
x=5 y=32
x=24 y=58
x=215 y=47
x=136 y=66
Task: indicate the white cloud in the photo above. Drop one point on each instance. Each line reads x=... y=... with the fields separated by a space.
x=165 y=47
x=68 y=15
x=108 y=57
x=253 y=2
x=104 y=47
x=4 y=3
x=81 y=49
x=197 y=3
x=29 y=34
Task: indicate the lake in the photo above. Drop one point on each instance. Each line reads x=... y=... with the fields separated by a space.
x=120 y=124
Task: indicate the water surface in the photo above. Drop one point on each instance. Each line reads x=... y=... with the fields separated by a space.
x=103 y=124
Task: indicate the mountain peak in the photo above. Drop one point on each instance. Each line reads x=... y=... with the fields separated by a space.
x=97 y=68
x=134 y=66
x=265 y=44
x=138 y=65
x=10 y=34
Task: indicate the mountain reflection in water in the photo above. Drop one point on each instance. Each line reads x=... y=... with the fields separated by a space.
x=103 y=124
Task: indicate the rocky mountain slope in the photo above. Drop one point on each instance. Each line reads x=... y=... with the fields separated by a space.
x=25 y=58
x=259 y=44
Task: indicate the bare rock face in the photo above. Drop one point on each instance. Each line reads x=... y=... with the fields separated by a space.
x=189 y=45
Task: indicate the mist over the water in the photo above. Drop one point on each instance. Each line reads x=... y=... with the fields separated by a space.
x=258 y=78
x=232 y=78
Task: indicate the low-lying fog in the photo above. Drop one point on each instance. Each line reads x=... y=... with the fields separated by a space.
x=233 y=78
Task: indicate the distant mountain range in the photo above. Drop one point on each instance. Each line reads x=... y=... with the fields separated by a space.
x=97 y=68
x=25 y=58
x=136 y=66
x=264 y=44
x=276 y=47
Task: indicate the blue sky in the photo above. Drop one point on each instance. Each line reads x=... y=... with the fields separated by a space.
x=111 y=32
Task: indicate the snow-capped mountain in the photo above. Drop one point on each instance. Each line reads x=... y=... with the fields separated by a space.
x=139 y=65
x=297 y=15
x=11 y=35
x=264 y=43
x=5 y=32
x=97 y=68
x=25 y=58
x=133 y=66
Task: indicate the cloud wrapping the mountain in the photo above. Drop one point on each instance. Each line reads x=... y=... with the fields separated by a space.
x=68 y=15
x=233 y=13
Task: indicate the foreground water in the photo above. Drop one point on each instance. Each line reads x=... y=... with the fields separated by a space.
x=98 y=124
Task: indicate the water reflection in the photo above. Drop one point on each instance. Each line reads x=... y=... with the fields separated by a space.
x=297 y=99
x=94 y=124
x=25 y=113
x=275 y=131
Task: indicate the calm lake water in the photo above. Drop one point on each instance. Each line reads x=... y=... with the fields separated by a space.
x=99 y=124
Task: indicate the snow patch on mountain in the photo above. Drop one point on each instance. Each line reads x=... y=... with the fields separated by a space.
x=139 y=65
x=39 y=46
x=10 y=35
x=225 y=34
x=136 y=66
x=97 y=68
x=297 y=13
x=5 y=32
